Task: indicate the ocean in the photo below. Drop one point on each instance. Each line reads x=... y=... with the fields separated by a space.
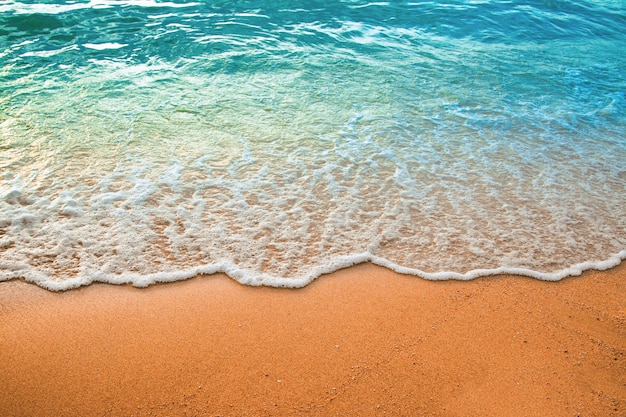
x=144 y=141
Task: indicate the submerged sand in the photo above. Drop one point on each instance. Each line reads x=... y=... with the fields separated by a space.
x=361 y=341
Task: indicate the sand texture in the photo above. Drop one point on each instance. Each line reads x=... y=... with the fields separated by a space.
x=362 y=341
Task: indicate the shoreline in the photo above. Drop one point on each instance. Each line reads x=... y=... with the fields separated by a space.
x=246 y=277
x=360 y=341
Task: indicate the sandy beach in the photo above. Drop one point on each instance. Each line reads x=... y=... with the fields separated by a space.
x=361 y=341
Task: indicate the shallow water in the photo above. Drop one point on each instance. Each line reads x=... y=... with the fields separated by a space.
x=147 y=141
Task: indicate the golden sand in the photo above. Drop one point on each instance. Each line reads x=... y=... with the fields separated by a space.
x=362 y=341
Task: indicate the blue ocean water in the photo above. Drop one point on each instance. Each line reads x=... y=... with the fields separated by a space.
x=275 y=141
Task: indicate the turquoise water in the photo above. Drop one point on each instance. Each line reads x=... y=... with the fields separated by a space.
x=145 y=141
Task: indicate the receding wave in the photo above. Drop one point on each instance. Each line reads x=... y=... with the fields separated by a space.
x=151 y=141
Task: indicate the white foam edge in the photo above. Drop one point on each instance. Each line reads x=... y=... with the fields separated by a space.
x=250 y=278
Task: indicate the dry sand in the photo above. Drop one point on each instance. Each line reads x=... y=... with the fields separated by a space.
x=362 y=341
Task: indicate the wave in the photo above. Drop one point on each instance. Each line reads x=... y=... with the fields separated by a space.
x=141 y=139
x=251 y=278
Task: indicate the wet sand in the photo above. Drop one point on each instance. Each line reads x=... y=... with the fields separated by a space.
x=362 y=341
